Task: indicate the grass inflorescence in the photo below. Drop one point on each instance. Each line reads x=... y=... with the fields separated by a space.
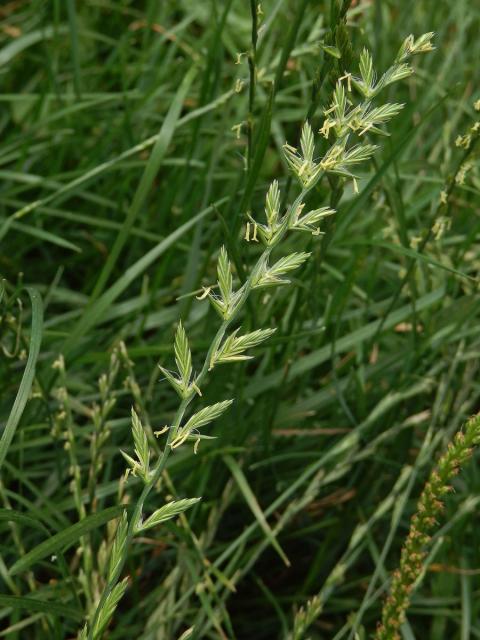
x=430 y=506
x=238 y=319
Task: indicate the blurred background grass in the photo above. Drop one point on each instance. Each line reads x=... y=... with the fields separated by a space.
x=132 y=144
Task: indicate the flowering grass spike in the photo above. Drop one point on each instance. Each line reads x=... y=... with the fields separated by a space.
x=347 y=118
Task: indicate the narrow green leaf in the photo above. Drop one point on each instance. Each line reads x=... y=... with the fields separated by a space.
x=46 y=236
x=260 y=146
x=73 y=45
x=65 y=538
x=10 y=515
x=344 y=344
x=28 y=375
x=411 y=253
x=151 y=169
x=251 y=500
x=44 y=606
x=99 y=308
x=17 y=45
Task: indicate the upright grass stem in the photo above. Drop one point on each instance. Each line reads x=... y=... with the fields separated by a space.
x=162 y=461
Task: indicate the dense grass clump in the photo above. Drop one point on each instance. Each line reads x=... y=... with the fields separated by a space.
x=186 y=185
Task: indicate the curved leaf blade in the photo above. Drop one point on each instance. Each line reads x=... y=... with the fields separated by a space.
x=65 y=538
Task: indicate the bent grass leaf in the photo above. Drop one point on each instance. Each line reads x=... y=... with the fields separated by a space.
x=9 y=515
x=64 y=539
x=167 y=512
x=28 y=374
x=411 y=253
x=99 y=308
x=56 y=609
x=252 y=502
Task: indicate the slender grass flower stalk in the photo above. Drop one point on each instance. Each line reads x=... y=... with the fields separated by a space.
x=429 y=507
x=346 y=123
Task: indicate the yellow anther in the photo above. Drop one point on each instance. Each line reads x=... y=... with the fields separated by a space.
x=206 y=291
x=348 y=78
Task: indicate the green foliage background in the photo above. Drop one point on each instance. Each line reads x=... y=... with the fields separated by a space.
x=132 y=145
